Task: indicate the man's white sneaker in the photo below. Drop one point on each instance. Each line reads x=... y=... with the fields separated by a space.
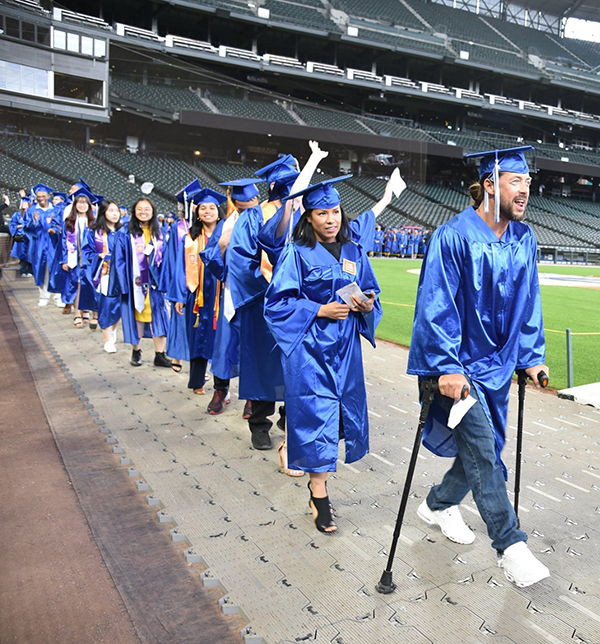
x=109 y=347
x=42 y=302
x=450 y=521
x=59 y=303
x=521 y=567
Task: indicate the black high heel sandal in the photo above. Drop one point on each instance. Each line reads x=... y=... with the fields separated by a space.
x=324 y=518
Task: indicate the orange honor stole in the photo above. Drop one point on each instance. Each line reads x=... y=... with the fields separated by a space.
x=194 y=270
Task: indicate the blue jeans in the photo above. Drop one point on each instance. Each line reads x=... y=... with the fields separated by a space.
x=476 y=468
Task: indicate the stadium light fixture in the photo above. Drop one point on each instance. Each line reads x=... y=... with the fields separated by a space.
x=197 y=153
x=92 y=141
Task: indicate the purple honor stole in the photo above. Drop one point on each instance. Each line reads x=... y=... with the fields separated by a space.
x=182 y=229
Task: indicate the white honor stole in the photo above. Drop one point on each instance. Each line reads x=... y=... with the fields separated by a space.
x=72 y=247
x=139 y=297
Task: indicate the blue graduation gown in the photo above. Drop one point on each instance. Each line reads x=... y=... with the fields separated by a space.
x=109 y=308
x=377 y=241
x=45 y=244
x=261 y=374
x=16 y=227
x=479 y=313
x=322 y=358
x=67 y=282
x=226 y=351
x=177 y=336
x=201 y=338
x=121 y=284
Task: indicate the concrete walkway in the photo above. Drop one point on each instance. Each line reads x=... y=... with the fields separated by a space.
x=251 y=525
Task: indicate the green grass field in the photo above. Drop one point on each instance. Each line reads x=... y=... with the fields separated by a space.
x=563 y=306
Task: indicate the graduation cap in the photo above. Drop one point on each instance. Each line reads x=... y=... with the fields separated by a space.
x=282 y=187
x=183 y=197
x=321 y=195
x=206 y=195
x=285 y=166
x=97 y=199
x=496 y=161
x=83 y=192
x=184 y=193
x=243 y=189
x=82 y=183
x=41 y=187
x=61 y=195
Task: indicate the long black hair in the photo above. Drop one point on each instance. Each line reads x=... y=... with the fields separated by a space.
x=198 y=225
x=135 y=228
x=305 y=235
x=72 y=216
x=101 y=223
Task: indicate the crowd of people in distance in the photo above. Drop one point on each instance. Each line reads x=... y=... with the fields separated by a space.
x=400 y=241
x=278 y=294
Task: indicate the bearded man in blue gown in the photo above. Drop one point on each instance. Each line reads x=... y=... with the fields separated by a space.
x=478 y=318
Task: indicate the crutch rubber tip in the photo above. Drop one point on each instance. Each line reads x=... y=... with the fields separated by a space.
x=386 y=585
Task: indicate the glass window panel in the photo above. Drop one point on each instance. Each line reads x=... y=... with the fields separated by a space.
x=60 y=39
x=28 y=31
x=99 y=48
x=73 y=42
x=12 y=27
x=14 y=84
x=87 y=46
x=43 y=35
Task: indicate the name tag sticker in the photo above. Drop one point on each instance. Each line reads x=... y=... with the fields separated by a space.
x=149 y=248
x=349 y=267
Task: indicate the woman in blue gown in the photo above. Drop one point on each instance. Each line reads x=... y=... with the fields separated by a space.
x=98 y=247
x=319 y=336
x=195 y=291
x=135 y=276
x=77 y=289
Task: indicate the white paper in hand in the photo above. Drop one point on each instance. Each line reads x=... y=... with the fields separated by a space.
x=459 y=409
x=398 y=183
x=346 y=293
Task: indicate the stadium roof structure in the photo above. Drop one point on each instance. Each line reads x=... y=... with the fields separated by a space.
x=582 y=9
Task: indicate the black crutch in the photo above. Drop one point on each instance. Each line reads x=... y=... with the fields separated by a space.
x=522 y=381
x=428 y=390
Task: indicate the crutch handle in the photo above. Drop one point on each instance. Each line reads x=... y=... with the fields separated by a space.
x=542 y=377
x=465 y=392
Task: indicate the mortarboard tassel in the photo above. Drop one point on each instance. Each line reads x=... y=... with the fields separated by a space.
x=497 y=191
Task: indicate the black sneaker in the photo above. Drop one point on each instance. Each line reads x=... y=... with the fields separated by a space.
x=220 y=398
x=261 y=440
x=136 y=358
x=161 y=360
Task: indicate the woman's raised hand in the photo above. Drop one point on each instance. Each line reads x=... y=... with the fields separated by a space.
x=316 y=150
